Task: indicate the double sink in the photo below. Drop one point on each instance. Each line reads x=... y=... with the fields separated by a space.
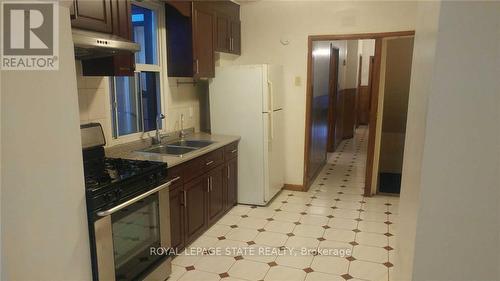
x=178 y=148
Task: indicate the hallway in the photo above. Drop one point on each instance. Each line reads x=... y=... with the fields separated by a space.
x=330 y=232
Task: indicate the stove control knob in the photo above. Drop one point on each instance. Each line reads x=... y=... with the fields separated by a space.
x=108 y=197
x=118 y=192
x=151 y=178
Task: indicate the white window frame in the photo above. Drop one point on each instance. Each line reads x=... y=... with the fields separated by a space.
x=160 y=67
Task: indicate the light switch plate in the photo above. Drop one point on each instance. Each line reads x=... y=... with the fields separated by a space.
x=297 y=81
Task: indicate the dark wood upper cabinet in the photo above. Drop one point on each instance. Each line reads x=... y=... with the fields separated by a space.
x=228 y=28
x=222 y=34
x=179 y=39
x=235 y=47
x=203 y=40
x=192 y=38
x=92 y=15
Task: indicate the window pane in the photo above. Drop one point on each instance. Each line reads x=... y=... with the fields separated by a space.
x=150 y=94
x=144 y=27
x=127 y=110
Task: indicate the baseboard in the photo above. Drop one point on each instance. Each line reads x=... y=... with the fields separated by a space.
x=294 y=187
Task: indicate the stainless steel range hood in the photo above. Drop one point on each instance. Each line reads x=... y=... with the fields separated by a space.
x=90 y=44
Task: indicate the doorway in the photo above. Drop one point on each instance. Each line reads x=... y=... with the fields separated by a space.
x=315 y=155
x=396 y=73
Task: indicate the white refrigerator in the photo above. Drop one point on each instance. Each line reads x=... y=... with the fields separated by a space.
x=247 y=100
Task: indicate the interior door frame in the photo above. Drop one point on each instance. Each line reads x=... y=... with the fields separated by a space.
x=333 y=89
x=373 y=102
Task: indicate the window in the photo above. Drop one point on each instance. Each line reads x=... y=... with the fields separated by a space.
x=136 y=101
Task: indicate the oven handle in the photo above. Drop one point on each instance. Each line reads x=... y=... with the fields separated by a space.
x=135 y=199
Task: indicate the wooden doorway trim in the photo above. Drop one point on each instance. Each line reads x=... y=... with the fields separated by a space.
x=373 y=113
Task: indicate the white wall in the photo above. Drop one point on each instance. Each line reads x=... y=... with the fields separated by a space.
x=44 y=221
x=422 y=73
x=451 y=167
x=352 y=64
x=264 y=23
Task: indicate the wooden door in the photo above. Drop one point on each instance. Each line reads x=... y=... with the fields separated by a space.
x=231 y=183
x=215 y=181
x=177 y=216
x=92 y=15
x=333 y=101
x=317 y=127
x=203 y=41
x=195 y=209
x=235 y=37
x=223 y=39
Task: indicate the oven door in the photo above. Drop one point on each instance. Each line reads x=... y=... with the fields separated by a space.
x=125 y=237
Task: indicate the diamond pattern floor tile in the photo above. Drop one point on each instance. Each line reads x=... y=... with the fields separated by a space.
x=307 y=236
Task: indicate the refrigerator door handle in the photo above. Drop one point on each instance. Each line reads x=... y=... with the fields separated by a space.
x=271 y=108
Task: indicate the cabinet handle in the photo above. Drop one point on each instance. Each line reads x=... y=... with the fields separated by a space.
x=234 y=150
x=231 y=45
x=209 y=163
x=185 y=199
x=197 y=67
x=228 y=172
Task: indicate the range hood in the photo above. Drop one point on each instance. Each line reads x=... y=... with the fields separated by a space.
x=90 y=44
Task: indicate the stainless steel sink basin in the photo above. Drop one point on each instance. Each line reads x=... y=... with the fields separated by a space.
x=191 y=143
x=167 y=149
x=178 y=148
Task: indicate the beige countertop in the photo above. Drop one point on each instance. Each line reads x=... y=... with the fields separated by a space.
x=129 y=150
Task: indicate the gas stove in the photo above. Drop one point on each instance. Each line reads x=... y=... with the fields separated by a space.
x=110 y=181
x=128 y=212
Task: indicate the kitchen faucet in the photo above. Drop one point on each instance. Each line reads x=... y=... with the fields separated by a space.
x=182 y=134
x=158 y=136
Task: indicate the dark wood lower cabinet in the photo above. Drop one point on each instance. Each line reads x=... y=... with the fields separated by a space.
x=177 y=216
x=196 y=203
x=231 y=183
x=216 y=195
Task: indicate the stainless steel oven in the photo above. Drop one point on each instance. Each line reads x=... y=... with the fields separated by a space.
x=128 y=213
x=126 y=233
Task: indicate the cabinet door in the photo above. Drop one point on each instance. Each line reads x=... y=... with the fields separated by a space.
x=177 y=216
x=203 y=41
x=195 y=209
x=235 y=37
x=92 y=15
x=222 y=34
x=215 y=182
x=232 y=182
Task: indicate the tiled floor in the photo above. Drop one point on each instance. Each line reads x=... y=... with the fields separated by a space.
x=303 y=235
